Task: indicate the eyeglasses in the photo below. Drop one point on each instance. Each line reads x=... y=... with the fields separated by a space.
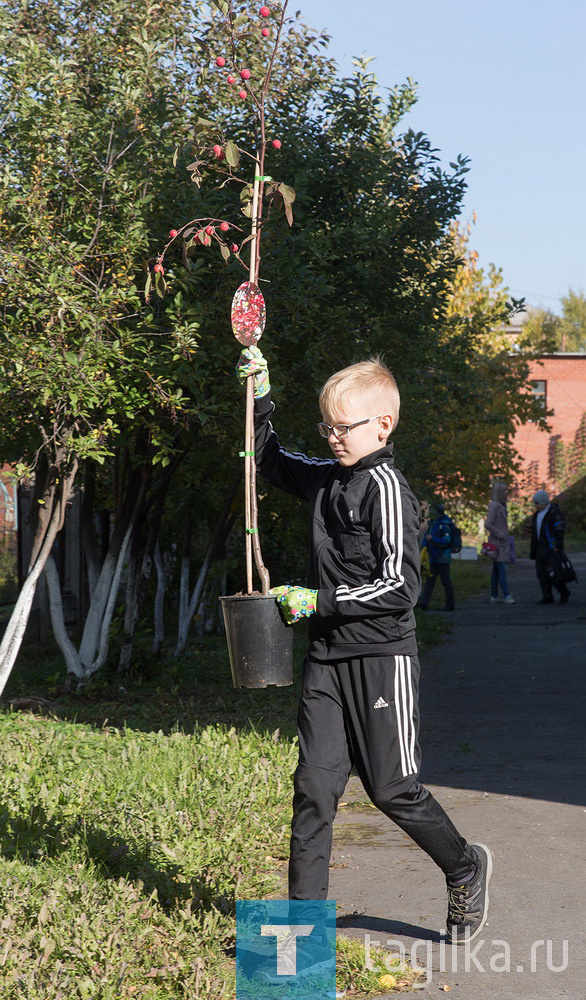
x=342 y=430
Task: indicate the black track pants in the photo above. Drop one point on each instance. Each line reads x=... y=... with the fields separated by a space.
x=541 y=568
x=443 y=569
x=363 y=712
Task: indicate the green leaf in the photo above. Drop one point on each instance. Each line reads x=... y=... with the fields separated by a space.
x=71 y=358
x=232 y=154
x=147 y=286
x=224 y=251
x=160 y=285
x=288 y=193
x=175 y=155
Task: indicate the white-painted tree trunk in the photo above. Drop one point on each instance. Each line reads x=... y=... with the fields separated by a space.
x=159 y=620
x=14 y=634
x=190 y=607
x=96 y=634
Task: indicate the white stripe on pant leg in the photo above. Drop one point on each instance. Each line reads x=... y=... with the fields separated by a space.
x=411 y=716
x=406 y=707
x=407 y=768
x=398 y=660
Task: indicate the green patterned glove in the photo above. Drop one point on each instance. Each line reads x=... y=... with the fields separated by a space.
x=251 y=362
x=295 y=602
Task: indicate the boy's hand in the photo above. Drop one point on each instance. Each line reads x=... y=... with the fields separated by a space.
x=295 y=602
x=251 y=362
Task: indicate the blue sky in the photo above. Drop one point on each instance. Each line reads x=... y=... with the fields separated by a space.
x=505 y=84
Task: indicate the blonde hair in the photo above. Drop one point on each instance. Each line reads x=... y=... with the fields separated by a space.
x=499 y=492
x=371 y=378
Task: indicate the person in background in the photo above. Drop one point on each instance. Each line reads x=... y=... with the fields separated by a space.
x=547 y=536
x=438 y=539
x=498 y=533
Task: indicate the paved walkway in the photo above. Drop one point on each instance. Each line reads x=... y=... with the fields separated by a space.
x=503 y=738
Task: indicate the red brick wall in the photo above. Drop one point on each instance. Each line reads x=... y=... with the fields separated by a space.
x=565 y=376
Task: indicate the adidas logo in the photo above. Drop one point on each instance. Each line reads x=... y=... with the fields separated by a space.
x=381 y=703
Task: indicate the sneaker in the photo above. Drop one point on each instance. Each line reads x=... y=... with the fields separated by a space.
x=509 y=599
x=495 y=600
x=468 y=903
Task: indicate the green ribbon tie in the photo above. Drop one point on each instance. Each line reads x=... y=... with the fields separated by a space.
x=252 y=531
x=243 y=454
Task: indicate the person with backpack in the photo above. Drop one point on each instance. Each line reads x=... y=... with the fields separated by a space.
x=498 y=534
x=547 y=537
x=442 y=538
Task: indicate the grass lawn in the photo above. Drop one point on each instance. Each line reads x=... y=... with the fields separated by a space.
x=133 y=816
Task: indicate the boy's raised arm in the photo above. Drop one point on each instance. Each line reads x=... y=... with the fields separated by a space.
x=292 y=472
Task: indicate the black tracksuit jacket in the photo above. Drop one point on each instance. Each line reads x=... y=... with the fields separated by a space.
x=551 y=535
x=364 y=556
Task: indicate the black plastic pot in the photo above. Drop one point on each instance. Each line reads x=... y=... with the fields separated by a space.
x=260 y=644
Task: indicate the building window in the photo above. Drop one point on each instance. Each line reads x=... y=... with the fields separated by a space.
x=539 y=391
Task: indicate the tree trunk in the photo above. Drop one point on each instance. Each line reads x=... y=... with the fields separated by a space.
x=137 y=586
x=159 y=602
x=90 y=549
x=50 y=521
x=91 y=639
x=187 y=608
x=131 y=602
x=70 y=654
x=76 y=664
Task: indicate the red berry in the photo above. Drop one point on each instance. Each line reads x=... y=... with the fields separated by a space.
x=216 y=150
x=264 y=12
x=265 y=32
x=173 y=234
x=159 y=269
x=221 y=155
x=224 y=226
x=221 y=62
x=277 y=143
x=231 y=79
x=242 y=94
x=245 y=74
x=210 y=230
x=234 y=247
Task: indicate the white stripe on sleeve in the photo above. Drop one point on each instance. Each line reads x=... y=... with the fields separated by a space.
x=392 y=539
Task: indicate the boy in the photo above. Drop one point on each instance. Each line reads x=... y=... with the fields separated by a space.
x=359 y=700
x=439 y=545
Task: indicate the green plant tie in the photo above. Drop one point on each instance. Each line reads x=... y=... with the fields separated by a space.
x=243 y=454
x=264 y=177
x=252 y=531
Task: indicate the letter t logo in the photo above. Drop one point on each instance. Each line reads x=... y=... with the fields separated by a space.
x=286 y=935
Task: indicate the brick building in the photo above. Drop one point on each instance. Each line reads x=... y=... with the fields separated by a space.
x=550 y=458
